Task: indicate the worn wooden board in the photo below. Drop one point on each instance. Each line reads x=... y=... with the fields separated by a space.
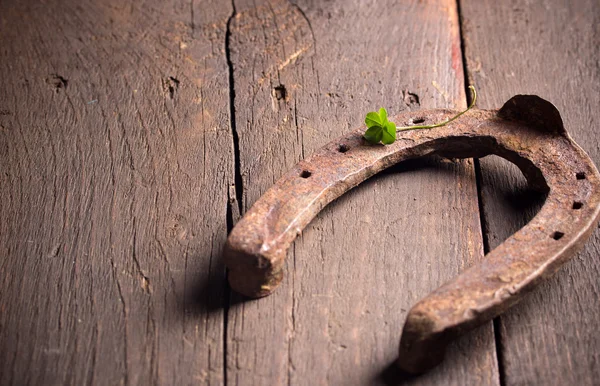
x=549 y=48
x=303 y=74
x=116 y=159
x=117 y=181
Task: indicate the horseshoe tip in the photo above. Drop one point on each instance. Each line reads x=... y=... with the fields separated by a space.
x=254 y=284
x=251 y=274
x=423 y=342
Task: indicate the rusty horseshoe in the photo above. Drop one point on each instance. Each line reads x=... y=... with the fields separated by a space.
x=527 y=131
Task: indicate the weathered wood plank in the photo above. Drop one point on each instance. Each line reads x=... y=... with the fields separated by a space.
x=304 y=74
x=549 y=48
x=116 y=159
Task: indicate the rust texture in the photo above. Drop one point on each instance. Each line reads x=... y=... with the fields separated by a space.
x=527 y=131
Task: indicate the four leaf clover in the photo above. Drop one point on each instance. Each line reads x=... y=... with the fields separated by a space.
x=379 y=128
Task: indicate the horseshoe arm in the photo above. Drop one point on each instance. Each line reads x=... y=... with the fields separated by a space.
x=527 y=131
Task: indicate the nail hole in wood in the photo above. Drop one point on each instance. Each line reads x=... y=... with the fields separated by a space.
x=577 y=205
x=343 y=148
x=557 y=235
x=580 y=176
x=305 y=174
x=279 y=92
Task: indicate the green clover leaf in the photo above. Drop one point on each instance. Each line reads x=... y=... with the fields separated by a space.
x=379 y=129
x=389 y=133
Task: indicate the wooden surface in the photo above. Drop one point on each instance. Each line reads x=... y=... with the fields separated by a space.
x=134 y=134
x=359 y=267
x=552 y=337
x=116 y=163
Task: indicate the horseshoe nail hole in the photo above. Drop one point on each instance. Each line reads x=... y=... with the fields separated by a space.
x=305 y=174
x=577 y=205
x=343 y=148
x=580 y=176
x=418 y=120
x=557 y=235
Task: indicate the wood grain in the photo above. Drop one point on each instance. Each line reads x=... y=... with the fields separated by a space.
x=116 y=161
x=118 y=183
x=303 y=74
x=549 y=48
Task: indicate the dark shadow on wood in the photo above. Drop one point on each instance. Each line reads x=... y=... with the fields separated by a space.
x=206 y=296
x=212 y=295
x=434 y=162
x=393 y=375
x=525 y=202
x=504 y=190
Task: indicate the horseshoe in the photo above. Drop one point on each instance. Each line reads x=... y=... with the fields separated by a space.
x=527 y=131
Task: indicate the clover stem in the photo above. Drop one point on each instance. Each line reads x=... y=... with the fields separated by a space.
x=405 y=128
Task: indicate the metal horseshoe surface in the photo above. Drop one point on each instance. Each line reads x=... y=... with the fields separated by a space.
x=527 y=131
